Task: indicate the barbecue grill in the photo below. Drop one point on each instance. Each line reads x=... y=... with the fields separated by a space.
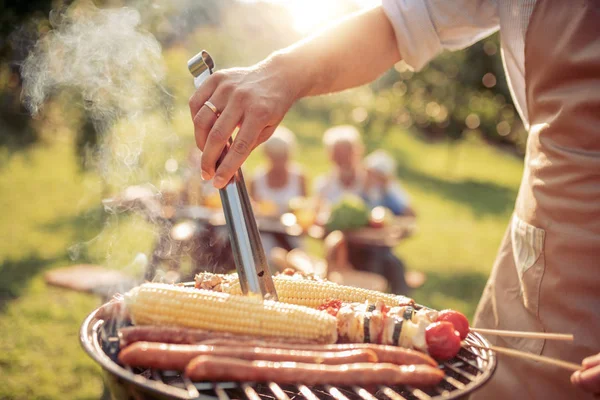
x=470 y=369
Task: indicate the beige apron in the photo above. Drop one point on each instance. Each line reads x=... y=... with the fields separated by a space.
x=547 y=274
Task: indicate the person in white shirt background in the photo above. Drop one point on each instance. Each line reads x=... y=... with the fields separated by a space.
x=345 y=149
x=281 y=179
x=546 y=274
x=277 y=183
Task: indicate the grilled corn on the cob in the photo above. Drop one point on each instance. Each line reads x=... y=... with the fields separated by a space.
x=304 y=292
x=163 y=304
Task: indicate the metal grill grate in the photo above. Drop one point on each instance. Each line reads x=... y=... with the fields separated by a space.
x=470 y=369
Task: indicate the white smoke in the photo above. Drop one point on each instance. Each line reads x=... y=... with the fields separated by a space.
x=116 y=68
x=101 y=52
x=118 y=72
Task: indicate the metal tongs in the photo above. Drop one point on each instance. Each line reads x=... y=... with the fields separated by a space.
x=248 y=252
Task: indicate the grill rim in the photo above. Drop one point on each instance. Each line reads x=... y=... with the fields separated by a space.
x=89 y=340
x=88 y=335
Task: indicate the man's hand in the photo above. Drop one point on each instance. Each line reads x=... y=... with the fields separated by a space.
x=255 y=99
x=350 y=53
x=588 y=378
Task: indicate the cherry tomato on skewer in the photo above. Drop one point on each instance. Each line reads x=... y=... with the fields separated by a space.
x=460 y=322
x=443 y=341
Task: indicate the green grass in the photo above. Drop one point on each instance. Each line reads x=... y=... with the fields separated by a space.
x=49 y=210
x=39 y=351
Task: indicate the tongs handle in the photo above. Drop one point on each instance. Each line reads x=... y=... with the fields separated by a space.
x=248 y=252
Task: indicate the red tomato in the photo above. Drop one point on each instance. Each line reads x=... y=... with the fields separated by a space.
x=460 y=322
x=443 y=341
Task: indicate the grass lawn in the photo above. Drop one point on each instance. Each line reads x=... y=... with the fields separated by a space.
x=49 y=212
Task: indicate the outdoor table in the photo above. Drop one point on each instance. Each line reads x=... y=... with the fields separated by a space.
x=137 y=198
x=387 y=236
x=211 y=221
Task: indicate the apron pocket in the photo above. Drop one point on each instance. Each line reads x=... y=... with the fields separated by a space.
x=528 y=253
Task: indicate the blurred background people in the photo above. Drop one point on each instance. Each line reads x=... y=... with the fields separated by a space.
x=349 y=176
x=381 y=188
x=281 y=179
x=276 y=184
x=345 y=150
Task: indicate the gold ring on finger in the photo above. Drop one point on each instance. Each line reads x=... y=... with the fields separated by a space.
x=212 y=107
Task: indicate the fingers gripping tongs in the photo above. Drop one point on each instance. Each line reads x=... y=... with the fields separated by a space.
x=248 y=252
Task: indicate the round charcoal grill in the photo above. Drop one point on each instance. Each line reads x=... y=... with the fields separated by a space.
x=469 y=370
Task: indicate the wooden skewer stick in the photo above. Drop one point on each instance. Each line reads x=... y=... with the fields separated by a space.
x=521 y=354
x=531 y=335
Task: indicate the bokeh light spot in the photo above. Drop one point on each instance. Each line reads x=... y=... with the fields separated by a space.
x=472 y=121
x=359 y=114
x=490 y=48
x=503 y=128
x=171 y=165
x=433 y=109
x=399 y=88
x=489 y=80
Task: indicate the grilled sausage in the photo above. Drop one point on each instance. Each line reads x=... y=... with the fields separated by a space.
x=385 y=353
x=177 y=356
x=173 y=334
x=209 y=368
x=164 y=334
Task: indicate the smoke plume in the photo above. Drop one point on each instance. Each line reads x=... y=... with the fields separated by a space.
x=102 y=52
x=116 y=68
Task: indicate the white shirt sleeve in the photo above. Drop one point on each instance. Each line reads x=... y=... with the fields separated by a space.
x=424 y=28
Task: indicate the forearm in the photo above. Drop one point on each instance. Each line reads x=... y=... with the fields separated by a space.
x=353 y=52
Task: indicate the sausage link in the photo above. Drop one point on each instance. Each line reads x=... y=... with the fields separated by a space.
x=173 y=334
x=177 y=356
x=209 y=368
x=164 y=334
x=385 y=353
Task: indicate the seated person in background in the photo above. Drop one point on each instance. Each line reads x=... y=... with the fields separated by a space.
x=281 y=180
x=345 y=149
x=381 y=188
x=277 y=184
